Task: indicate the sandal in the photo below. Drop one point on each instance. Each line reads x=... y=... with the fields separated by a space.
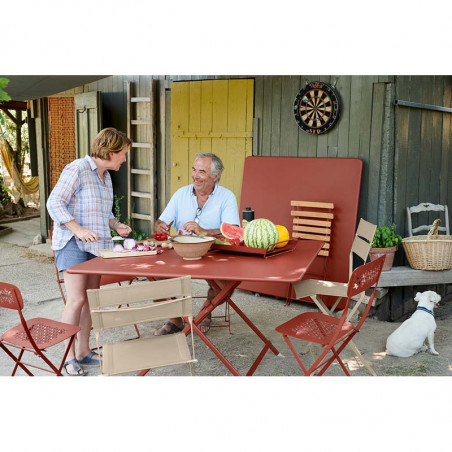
x=77 y=368
x=206 y=323
x=173 y=328
x=88 y=359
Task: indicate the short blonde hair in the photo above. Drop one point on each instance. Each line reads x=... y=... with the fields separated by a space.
x=109 y=140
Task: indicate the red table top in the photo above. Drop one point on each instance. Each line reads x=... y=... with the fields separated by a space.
x=215 y=265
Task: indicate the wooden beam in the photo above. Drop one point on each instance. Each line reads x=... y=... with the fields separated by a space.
x=13 y=105
x=17 y=122
x=10 y=116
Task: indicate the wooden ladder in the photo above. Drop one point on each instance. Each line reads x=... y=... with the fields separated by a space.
x=141 y=162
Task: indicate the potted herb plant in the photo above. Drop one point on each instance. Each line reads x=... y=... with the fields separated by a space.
x=385 y=243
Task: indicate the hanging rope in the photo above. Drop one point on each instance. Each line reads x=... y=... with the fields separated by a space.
x=25 y=187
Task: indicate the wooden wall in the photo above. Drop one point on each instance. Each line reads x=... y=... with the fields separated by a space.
x=398 y=145
x=423 y=153
x=358 y=133
x=422 y=168
x=395 y=143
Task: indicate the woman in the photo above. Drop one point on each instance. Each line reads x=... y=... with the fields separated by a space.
x=81 y=208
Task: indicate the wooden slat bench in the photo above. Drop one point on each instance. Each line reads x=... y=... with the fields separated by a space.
x=407 y=276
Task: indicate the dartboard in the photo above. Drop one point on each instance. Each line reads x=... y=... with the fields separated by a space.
x=316 y=107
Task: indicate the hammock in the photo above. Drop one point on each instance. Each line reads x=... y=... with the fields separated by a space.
x=26 y=187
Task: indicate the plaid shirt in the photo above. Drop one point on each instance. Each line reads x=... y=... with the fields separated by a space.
x=81 y=195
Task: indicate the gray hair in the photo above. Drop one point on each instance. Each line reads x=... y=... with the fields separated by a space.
x=216 y=166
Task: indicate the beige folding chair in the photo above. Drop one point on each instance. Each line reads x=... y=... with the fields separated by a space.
x=312 y=221
x=312 y=288
x=427 y=207
x=143 y=353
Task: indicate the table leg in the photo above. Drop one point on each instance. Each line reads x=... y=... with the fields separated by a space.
x=223 y=294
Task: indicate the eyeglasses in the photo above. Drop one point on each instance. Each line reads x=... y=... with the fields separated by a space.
x=198 y=213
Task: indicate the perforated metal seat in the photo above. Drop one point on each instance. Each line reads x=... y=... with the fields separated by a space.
x=36 y=335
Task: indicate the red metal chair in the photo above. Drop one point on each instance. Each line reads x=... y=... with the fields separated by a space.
x=332 y=333
x=36 y=335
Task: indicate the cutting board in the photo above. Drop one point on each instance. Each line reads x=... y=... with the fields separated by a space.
x=108 y=254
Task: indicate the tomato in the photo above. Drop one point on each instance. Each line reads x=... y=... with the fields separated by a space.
x=160 y=236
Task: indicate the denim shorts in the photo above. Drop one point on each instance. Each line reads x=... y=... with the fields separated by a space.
x=71 y=255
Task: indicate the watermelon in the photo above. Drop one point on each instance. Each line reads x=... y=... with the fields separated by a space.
x=260 y=233
x=231 y=232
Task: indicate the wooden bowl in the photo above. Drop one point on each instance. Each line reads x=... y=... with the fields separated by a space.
x=191 y=247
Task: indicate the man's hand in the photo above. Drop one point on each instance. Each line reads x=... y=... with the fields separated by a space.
x=193 y=228
x=161 y=227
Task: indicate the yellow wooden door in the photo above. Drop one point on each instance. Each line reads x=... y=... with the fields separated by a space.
x=211 y=116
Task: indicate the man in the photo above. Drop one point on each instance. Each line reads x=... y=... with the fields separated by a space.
x=199 y=208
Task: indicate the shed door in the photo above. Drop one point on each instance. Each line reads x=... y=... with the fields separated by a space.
x=87 y=121
x=211 y=116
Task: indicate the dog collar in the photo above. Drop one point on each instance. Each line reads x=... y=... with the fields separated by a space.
x=421 y=308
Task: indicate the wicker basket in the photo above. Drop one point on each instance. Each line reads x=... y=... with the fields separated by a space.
x=429 y=252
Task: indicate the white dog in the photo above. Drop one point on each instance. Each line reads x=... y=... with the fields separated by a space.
x=409 y=338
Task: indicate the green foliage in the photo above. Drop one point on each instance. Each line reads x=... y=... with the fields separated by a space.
x=3 y=94
x=385 y=237
x=137 y=235
x=117 y=206
x=116 y=211
x=2 y=125
x=4 y=193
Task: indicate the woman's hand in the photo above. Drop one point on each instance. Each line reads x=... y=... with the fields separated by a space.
x=85 y=235
x=123 y=230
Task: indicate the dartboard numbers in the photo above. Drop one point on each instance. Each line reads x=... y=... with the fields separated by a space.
x=316 y=108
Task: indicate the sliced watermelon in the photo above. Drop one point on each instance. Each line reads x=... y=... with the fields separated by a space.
x=232 y=232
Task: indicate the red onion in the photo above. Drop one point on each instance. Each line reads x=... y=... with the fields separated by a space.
x=118 y=248
x=130 y=244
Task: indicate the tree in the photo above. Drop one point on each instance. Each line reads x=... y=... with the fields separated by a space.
x=3 y=84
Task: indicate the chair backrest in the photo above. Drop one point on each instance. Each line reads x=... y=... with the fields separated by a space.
x=362 y=242
x=363 y=278
x=312 y=221
x=10 y=297
x=427 y=207
x=142 y=353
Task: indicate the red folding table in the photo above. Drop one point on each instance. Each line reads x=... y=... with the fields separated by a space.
x=223 y=270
